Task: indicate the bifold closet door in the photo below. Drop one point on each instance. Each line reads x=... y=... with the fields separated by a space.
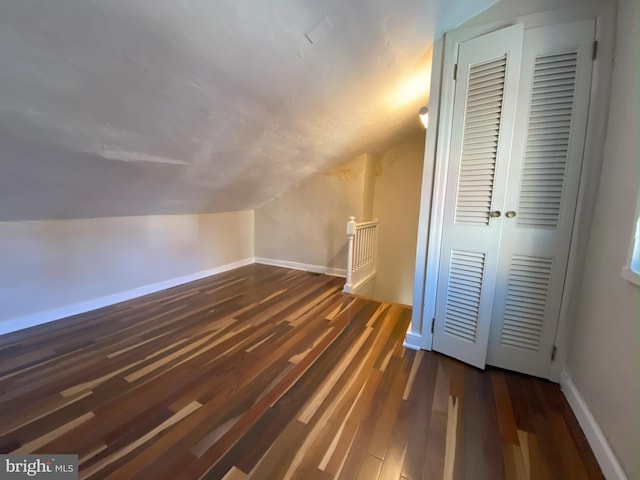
x=483 y=119
x=541 y=195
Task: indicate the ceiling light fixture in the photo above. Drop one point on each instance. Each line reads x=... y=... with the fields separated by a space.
x=424 y=116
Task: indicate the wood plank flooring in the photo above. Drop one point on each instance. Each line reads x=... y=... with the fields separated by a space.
x=270 y=373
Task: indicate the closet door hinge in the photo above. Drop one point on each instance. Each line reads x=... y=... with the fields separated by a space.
x=553 y=353
x=433 y=321
x=594 y=50
x=455 y=71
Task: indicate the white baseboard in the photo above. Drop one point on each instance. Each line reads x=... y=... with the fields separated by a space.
x=412 y=341
x=335 y=272
x=607 y=460
x=59 y=313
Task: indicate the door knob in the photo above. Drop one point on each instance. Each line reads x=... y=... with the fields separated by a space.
x=510 y=214
x=495 y=214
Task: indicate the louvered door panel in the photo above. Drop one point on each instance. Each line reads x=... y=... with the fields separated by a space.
x=463 y=294
x=526 y=302
x=480 y=141
x=548 y=135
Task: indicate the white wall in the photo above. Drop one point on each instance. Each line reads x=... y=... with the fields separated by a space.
x=397 y=204
x=307 y=224
x=55 y=265
x=603 y=360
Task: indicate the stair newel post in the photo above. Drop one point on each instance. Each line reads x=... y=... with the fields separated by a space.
x=351 y=232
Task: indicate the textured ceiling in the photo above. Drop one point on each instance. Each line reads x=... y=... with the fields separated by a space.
x=132 y=107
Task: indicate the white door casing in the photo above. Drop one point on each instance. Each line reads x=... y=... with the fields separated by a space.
x=483 y=120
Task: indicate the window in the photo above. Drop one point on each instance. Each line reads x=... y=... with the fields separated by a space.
x=631 y=271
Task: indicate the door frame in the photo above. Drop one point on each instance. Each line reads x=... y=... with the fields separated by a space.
x=419 y=335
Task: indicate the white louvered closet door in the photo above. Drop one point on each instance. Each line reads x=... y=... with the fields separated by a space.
x=483 y=120
x=542 y=192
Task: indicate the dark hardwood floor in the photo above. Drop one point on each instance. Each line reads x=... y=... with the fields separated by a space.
x=270 y=373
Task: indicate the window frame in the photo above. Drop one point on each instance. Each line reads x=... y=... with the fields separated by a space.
x=634 y=248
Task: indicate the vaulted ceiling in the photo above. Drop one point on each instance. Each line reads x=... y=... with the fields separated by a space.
x=132 y=107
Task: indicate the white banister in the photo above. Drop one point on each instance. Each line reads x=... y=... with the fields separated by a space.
x=361 y=253
x=351 y=232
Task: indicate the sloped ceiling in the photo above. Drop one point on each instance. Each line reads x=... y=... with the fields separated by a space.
x=133 y=107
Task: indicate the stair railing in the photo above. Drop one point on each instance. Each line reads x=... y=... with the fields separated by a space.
x=361 y=254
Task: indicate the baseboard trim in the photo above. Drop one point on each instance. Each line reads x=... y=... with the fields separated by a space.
x=41 y=318
x=607 y=460
x=335 y=272
x=412 y=341
x=354 y=290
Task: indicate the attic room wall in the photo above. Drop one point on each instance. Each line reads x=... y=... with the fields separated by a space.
x=603 y=361
x=64 y=265
x=371 y=163
x=397 y=205
x=307 y=224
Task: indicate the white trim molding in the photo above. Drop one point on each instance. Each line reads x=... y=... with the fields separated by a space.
x=47 y=316
x=413 y=341
x=630 y=276
x=423 y=253
x=607 y=460
x=335 y=272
